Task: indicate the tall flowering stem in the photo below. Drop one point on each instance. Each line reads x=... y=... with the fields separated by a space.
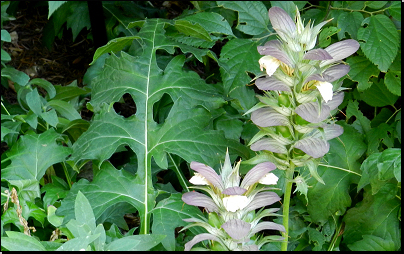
x=300 y=94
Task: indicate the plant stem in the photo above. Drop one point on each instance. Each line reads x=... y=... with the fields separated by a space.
x=286 y=204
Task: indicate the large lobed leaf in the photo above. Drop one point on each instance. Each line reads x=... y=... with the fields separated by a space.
x=184 y=131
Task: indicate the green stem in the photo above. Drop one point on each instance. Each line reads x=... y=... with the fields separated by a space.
x=286 y=204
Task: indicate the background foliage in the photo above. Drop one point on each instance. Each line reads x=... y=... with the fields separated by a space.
x=190 y=79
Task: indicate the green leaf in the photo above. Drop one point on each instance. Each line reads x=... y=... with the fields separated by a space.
x=193 y=30
x=5 y=131
x=33 y=154
x=77 y=244
x=114 y=45
x=376 y=216
x=378 y=95
x=316 y=238
x=212 y=22
x=17 y=241
x=373 y=243
x=375 y=4
x=324 y=38
x=169 y=214
x=34 y=102
x=5 y=57
x=78 y=18
x=16 y=76
x=50 y=89
x=349 y=22
x=5 y=36
x=393 y=82
x=361 y=71
x=83 y=211
x=252 y=16
x=395 y=10
x=31 y=210
x=379 y=41
x=230 y=125
x=65 y=109
x=287 y=6
x=375 y=136
x=353 y=110
x=55 y=220
x=143 y=242
x=50 y=117
x=53 y=6
x=333 y=197
x=237 y=58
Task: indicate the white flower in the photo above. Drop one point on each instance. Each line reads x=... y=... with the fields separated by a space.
x=235 y=202
x=325 y=89
x=269 y=179
x=270 y=63
x=198 y=179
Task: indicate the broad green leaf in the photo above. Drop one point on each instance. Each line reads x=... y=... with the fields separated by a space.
x=50 y=89
x=212 y=22
x=333 y=197
x=53 y=6
x=375 y=136
x=393 y=82
x=169 y=214
x=83 y=211
x=316 y=238
x=5 y=131
x=349 y=22
x=379 y=41
x=71 y=91
x=55 y=190
x=65 y=109
x=78 y=18
x=16 y=76
x=230 y=125
x=252 y=15
x=287 y=6
x=144 y=242
x=324 y=38
x=34 y=102
x=27 y=189
x=237 y=58
x=376 y=216
x=99 y=243
x=55 y=220
x=5 y=57
x=5 y=36
x=353 y=110
x=77 y=244
x=17 y=241
x=395 y=10
x=361 y=71
x=51 y=246
x=29 y=209
x=375 y=4
x=193 y=30
x=114 y=45
x=33 y=154
x=378 y=95
x=76 y=128
x=373 y=243
x=50 y=117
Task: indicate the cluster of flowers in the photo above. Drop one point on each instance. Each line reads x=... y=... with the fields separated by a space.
x=233 y=222
x=294 y=113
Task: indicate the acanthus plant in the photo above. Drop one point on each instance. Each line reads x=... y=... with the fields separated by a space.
x=300 y=95
x=233 y=223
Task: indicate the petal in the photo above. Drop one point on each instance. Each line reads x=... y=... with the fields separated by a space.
x=237 y=229
x=310 y=112
x=269 y=179
x=198 y=179
x=235 y=202
x=234 y=191
x=262 y=199
x=282 y=22
x=330 y=131
x=199 y=238
x=270 y=64
x=256 y=173
x=325 y=89
x=251 y=247
x=336 y=101
x=335 y=72
x=266 y=117
x=315 y=147
x=269 y=145
x=340 y=50
x=274 y=48
x=199 y=199
x=267 y=225
x=317 y=54
x=208 y=173
x=271 y=83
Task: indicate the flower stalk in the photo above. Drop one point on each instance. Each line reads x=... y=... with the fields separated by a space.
x=300 y=94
